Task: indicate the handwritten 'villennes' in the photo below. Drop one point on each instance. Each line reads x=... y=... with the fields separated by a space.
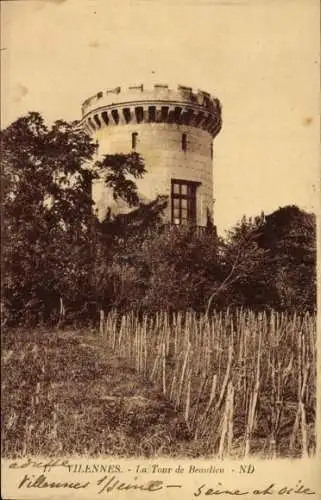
x=108 y=484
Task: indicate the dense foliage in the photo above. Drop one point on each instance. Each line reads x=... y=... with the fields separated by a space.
x=60 y=261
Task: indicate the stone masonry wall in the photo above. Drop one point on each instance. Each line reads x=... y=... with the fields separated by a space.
x=159 y=117
x=160 y=146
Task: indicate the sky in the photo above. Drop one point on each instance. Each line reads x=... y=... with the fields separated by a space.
x=259 y=57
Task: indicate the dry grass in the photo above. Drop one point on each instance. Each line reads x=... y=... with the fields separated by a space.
x=237 y=384
x=245 y=382
x=64 y=395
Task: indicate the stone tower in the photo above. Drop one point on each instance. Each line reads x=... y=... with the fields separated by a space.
x=173 y=131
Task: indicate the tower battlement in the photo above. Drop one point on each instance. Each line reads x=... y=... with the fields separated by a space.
x=173 y=131
x=136 y=104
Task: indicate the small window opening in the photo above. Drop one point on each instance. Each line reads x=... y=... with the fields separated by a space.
x=134 y=140
x=184 y=142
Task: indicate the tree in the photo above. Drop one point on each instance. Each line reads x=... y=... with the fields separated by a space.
x=242 y=262
x=289 y=236
x=270 y=262
x=171 y=269
x=49 y=231
x=117 y=277
x=116 y=171
x=46 y=209
x=56 y=253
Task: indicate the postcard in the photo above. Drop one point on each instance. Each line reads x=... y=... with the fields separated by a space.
x=160 y=232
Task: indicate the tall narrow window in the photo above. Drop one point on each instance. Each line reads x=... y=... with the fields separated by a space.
x=183 y=197
x=184 y=142
x=134 y=140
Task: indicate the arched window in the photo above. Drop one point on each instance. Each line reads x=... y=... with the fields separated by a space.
x=184 y=142
x=134 y=140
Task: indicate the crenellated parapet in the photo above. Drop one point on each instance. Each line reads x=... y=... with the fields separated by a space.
x=161 y=104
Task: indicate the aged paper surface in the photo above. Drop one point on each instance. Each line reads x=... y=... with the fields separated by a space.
x=261 y=59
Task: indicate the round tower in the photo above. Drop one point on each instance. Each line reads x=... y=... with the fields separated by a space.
x=173 y=131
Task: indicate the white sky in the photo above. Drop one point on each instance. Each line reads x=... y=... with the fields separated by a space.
x=259 y=57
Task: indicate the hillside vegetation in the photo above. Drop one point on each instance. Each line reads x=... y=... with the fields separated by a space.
x=235 y=385
x=200 y=344
x=60 y=263
x=64 y=394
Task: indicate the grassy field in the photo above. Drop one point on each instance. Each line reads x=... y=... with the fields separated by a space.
x=63 y=394
x=235 y=385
